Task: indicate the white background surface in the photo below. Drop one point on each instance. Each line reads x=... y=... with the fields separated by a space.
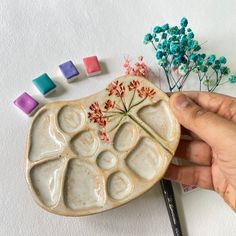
x=35 y=37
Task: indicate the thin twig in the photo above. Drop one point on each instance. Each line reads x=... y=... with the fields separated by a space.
x=154 y=45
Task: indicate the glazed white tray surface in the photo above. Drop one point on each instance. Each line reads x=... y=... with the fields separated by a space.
x=73 y=169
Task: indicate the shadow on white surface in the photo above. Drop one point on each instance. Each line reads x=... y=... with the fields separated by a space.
x=125 y=220
x=60 y=89
x=104 y=68
x=82 y=73
x=129 y=217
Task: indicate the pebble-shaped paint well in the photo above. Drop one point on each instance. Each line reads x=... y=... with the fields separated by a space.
x=45 y=141
x=125 y=137
x=119 y=186
x=46 y=179
x=85 y=143
x=71 y=118
x=106 y=160
x=144 y=160
x=158 y=117
x=84 y=186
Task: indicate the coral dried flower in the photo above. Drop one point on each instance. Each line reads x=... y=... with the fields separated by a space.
x=109 y=104
x=121 y=92
x=146 y=92
x=142 y=92
x=104 y=136
x=150 y=92
x=101 y=121
x=98 y=118
x=112 y=88
x=96 y=115
x=116 y=88
x=95 y=107
x=133 y=85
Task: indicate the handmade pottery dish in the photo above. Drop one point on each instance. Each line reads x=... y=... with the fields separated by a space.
x=96 y=153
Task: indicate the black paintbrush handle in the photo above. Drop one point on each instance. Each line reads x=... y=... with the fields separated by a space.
x=169 y=197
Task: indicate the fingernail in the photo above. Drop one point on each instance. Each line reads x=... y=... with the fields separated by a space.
x=181 y=102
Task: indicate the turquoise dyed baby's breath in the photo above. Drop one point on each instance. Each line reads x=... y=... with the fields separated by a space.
x=177 y=48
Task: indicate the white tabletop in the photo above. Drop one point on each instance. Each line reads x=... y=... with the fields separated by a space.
x=36 y=36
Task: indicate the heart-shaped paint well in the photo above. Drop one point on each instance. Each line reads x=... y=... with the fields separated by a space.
x=96 y=153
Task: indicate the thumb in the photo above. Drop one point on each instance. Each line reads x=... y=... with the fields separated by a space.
x=209 y=126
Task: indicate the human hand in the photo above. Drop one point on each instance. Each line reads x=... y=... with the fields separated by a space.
x=210 y=120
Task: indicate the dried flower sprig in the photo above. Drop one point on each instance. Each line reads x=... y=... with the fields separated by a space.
x=178 y=53
x=139 y=68
x=102 y=114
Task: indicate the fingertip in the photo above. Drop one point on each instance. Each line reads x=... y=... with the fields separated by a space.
x=178 y=103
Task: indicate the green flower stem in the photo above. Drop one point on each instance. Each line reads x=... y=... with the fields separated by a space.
x=113 y=112
x=123 y=104
x=170 y=76
x=204 y=75
x=178 y=81
x=173 y=79
x=136 y=104
x=149 y=133
x=110 y=116
x=172 y=87
x=131 y=100
x=168 y=80
x=117 y=124
x=222 y=83
x=218 y=80
x=185 y=78
x=214 y=72
x=200 y=81
x=208 y=88
x=119 y=109
x=154 y=45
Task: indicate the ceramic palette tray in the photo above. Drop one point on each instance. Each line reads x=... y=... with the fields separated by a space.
x=96 y=153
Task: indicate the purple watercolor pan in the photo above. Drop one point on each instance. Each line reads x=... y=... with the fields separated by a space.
x=26 y=103
x=69 y=71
